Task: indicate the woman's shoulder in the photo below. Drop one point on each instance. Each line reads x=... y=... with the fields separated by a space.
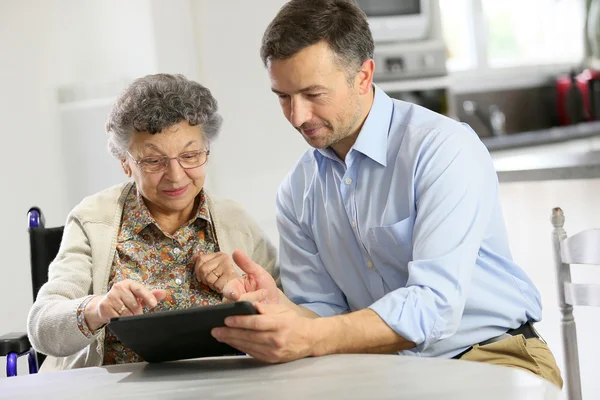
x=229 y=213
x=226 y=209
x=101 y=206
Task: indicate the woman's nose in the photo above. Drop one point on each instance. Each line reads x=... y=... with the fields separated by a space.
x=174 y=170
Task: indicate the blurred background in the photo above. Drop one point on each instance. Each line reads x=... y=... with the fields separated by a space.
x=522 y=73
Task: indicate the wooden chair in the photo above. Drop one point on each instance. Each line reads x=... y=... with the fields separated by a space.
x=582 y=248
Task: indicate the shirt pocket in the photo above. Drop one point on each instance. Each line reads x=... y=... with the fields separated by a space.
x=393 y=240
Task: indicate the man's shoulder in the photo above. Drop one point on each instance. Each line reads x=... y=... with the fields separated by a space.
x=303 y=170
x=420 y=129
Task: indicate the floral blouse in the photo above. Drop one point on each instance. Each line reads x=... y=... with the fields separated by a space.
x=159 y=260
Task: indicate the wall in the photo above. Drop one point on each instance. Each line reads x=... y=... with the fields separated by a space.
x=46 y=46
x=257 y=146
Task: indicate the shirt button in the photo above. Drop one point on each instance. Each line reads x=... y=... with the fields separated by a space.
x=353 y=224
x=370 y=264
x=176 y=250
x=178 y=281
x=348 y=181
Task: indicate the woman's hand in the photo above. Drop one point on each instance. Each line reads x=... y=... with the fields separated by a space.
x=126 y=297
x=214 y=270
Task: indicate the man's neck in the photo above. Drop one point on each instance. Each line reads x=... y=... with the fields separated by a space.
x=342 y=147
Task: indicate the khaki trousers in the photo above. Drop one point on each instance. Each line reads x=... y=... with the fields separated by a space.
x=531 y=355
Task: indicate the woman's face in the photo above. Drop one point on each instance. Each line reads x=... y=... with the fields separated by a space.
x=174 y=189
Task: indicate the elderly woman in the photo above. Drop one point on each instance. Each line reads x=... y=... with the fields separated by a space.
x=159 y=242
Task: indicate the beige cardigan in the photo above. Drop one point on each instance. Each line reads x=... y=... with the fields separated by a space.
x=82 y=267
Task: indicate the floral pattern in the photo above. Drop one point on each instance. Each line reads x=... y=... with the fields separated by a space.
x=160 y=260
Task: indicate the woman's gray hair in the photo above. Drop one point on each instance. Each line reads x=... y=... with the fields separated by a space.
x=155 y=102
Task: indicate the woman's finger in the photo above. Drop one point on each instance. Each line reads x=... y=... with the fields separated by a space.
x=220 y=283
x=204 y=271
x=124 y=296
x=140 y=292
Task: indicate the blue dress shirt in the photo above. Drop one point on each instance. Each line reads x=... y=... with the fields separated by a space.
x=410 y=226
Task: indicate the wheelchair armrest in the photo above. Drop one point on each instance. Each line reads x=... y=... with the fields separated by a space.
x=14 y=342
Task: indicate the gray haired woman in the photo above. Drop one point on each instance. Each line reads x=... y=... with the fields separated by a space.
x=159 y=242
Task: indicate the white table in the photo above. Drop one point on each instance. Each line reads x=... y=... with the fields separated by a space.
x=243 y=378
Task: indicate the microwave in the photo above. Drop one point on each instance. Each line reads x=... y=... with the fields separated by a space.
x=397 y=20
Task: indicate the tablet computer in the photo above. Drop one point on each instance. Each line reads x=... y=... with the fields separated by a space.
x=178 y=334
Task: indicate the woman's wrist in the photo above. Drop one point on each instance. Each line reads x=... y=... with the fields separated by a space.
x=92 y=318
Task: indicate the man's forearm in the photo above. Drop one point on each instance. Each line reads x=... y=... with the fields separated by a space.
x=301 y=311
x=359 y=332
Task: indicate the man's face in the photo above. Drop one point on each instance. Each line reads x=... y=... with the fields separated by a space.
x=316 y=97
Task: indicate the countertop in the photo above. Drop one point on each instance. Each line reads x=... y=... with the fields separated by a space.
x=584 y=165
x=541 y=137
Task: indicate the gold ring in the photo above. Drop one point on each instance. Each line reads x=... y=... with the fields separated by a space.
x=123 y=308
x=216 y=274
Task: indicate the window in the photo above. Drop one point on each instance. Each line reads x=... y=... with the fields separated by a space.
x=534 y=32
x=486 y=35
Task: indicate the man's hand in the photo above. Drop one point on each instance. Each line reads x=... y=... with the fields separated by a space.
x=257 y=285
x=278 y=334
x=214 y=270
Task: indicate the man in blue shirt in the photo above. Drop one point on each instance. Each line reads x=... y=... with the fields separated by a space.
x=391 y=228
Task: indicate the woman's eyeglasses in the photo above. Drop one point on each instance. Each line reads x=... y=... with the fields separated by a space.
x=187 y=160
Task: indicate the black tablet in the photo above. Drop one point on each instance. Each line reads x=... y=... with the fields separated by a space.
x=178 y=334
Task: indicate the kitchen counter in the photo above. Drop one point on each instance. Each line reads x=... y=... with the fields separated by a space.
x=541 y=167
x=542 y=137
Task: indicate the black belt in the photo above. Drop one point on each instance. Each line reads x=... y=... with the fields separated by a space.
x=527 y=330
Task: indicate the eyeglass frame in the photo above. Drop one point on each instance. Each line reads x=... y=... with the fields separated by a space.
x=167 y=159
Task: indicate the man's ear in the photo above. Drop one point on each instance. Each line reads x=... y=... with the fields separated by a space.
x=364 y=77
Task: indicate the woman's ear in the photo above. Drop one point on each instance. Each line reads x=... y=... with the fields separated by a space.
x=126 y=168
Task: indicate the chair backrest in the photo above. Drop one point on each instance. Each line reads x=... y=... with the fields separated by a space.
x=44 y=244
x=582 y=248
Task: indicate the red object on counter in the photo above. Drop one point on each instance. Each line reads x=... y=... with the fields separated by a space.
x=563 y=85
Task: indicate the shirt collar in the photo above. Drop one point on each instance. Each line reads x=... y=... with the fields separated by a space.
x=372 y=140
x=136 y=216
x=373 y=136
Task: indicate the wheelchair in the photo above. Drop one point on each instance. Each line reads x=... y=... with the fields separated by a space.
x=44 y=244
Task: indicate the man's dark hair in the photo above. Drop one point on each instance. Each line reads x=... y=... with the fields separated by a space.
x=302 y=23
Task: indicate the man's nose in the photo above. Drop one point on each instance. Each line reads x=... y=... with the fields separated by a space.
x=300 y=112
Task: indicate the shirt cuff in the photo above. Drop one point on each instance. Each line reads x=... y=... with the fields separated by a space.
x=83 y=328
x=409 y=316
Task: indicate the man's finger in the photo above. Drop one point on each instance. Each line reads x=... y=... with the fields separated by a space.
x=224 y=334
x=246 y=264
x=256 y=323
x=254 y=297
x=257 y=351
x=265 y=308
